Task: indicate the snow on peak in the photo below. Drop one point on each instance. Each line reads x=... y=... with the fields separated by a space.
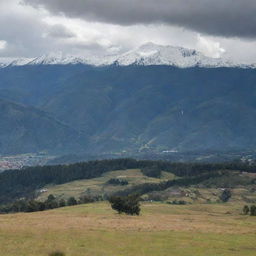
x=152 y=54
x=146 y=54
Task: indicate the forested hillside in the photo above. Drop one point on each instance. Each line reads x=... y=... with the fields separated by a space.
x=15 y=184
x=135 y=108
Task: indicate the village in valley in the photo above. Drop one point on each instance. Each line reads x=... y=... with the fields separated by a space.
x=23 y=160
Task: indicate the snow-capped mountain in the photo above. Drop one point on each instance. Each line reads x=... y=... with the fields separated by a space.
x=4 y=62
x=152 y=54
x=147 y=54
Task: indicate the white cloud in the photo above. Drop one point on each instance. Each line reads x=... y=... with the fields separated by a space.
x=3 y=44
x=209 y=47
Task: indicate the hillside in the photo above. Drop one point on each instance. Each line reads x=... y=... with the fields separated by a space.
x=161 y=230
x=26 y=129
x=136 y=108
x=90 y=179
x=100 y=186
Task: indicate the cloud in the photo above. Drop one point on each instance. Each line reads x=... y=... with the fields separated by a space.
x=59 y=31
x=29 y=35
x=31 y=31
x=209 y=47
x=228 y=18
x=3 y=44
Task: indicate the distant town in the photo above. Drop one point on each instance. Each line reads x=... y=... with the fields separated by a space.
x=20 y=161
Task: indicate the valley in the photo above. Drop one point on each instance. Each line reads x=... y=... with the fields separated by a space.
x=127 y=128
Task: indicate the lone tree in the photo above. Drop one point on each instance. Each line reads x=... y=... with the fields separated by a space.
x=126 y=204
x=225 y=195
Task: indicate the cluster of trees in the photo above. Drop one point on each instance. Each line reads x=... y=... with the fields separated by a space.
x=152 y=171
x=119 y=182
x=126 y=204
x=15 y=184
x=251 y=210
x=178 y=202
x=50 y=203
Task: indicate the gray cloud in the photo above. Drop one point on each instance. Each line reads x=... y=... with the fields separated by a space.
x=229 y=18
x=59 y=31
x=27 y=34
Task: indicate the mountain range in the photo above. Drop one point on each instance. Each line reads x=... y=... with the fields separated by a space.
x=153 y=98
x=147 y=54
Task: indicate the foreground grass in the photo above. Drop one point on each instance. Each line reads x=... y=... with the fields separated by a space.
x=162 y=229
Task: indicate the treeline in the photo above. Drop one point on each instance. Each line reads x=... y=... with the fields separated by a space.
x=117 y=182
x=50 y=203
x=15 y=184
x=186 y=181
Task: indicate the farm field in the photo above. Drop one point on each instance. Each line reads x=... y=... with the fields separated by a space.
x=160 y=230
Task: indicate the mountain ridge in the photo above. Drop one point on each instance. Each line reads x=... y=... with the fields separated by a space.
x=147 y=54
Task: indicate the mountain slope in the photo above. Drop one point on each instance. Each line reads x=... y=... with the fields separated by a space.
x=25 y=129
x=128 y=108
x=160 y=108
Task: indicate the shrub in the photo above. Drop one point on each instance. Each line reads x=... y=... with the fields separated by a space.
x=178 y=202
x=225 y=195
x=117 y=182
x=87 y=199
x=127 y=204
x=51 y=202
x=71 y=201
x=62 y=203
x=246 y=210
x=57 y=253
x=253 y=210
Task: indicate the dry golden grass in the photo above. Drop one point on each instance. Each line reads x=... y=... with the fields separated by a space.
x=162 y=229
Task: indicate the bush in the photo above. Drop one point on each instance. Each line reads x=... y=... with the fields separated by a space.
x=249 y=210
x=253 y=210
x=127 y=204
x=57 y=253
x=225 y=196
x=62 y=203
x=71 y=201
x=178 y=202
x=117 y=182
x=87 y=199
x=246 y=210
x=51 y=202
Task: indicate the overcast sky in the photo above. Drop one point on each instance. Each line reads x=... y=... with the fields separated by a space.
x=218 y=28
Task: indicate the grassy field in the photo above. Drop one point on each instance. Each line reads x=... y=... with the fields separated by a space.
x=161 y=230
x=98 y=186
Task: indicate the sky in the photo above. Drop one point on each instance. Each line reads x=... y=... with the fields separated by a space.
x=217 y=28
